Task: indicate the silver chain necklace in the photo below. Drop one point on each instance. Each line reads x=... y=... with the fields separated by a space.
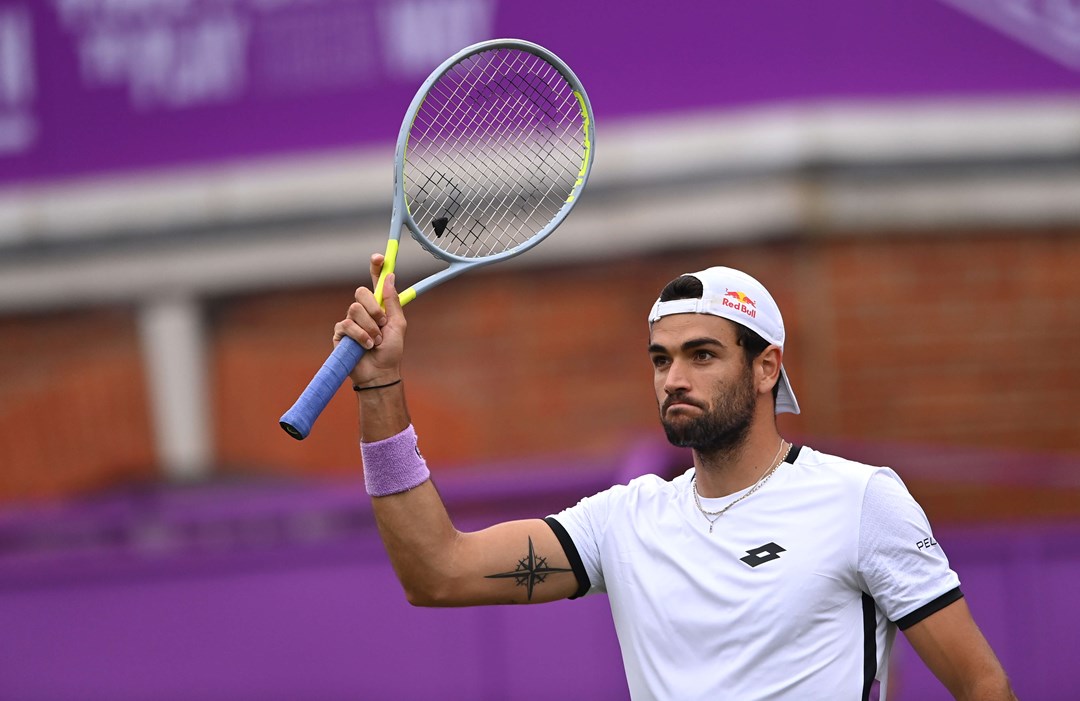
x=713 y=516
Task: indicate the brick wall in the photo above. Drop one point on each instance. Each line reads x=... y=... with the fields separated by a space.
x=73 y=404
x=964 y=339
x=958 y=340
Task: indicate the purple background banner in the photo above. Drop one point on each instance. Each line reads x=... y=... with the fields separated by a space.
x=88 y=86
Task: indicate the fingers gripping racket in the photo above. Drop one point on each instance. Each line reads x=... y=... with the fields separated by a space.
x=492 y=155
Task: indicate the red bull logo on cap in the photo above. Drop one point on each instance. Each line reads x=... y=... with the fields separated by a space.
x=738 y=301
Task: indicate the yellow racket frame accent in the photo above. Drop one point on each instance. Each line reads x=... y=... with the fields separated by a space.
x=588 y=145
x=389 y=263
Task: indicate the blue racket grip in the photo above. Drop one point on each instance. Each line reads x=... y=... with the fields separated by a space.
x=298 y=420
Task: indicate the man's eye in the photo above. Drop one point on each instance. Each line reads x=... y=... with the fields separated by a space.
x=703 y=355
x=659 y=361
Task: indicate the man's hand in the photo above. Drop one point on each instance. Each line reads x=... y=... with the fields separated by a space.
x=381 y=332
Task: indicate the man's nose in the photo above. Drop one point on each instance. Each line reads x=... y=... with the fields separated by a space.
x=677 y=379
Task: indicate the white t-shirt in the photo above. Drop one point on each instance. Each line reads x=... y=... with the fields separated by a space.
x=796 y=594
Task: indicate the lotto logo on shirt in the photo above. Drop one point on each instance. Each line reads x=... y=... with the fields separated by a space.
x=739 y=302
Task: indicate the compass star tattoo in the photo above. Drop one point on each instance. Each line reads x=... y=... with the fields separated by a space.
x=531 y=570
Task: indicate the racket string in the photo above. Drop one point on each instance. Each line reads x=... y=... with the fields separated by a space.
x=493 y=154
x=500 y=131
x=542 y=157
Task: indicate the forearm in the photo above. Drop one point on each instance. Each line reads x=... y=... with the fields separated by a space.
x=383 y=412
x=993 y=687
x=415 y=527
x=420 y=540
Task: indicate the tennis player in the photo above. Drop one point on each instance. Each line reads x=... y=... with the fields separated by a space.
x=767 y=570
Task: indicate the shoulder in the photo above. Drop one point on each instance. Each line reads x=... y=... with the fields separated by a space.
x=645 y=488
x=830 y=477
x=655 y=484
x=625 y=501
x=815 y=465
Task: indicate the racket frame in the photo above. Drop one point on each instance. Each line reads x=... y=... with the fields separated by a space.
x=400 y=214
x=300 y=418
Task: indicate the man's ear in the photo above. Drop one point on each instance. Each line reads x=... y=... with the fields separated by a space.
x=767 y=368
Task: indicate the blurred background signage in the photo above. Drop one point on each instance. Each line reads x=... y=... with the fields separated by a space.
x=98 y=86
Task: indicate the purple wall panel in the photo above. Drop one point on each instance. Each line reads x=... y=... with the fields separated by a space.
x=283 y=592
x=276 y=592
x=324 y=631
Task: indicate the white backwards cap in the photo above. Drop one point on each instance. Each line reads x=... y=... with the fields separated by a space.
x=735 y=296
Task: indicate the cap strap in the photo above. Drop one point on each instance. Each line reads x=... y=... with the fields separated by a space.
x=675 y=306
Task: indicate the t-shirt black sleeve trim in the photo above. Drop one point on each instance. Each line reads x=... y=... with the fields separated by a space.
x=929 y=609
x=572 y=555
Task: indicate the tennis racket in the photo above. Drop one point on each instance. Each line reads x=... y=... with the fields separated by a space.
x=492 y=155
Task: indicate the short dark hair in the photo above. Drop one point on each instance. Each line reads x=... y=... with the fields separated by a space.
x=689 y=287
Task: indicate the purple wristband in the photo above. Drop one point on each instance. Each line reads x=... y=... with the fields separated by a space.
x=394 y=464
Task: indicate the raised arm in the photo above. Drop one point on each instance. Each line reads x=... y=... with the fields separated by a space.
x=512 y=562
x=954 y=649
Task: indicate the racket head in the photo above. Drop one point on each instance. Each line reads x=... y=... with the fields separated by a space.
x=493 y=152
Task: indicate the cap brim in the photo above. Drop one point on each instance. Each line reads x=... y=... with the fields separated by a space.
x=785 y=396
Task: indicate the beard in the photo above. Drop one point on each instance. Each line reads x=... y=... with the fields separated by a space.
x=721 y=428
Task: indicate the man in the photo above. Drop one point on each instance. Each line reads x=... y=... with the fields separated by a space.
x=765 y=571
